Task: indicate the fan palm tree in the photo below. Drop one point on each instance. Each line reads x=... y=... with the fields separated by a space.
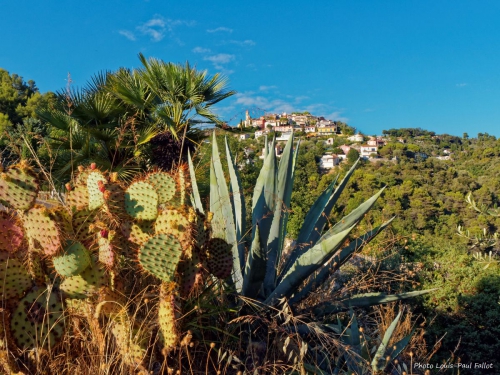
x=115 y=118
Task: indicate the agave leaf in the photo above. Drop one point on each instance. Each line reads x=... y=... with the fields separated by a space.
x=317 y=218
x=307 y=264
x=364 y=300
x=278 y=225
x=263 y=202
x=220 y=204
x=354 y=216
x=309 y=225
x=336 y=262
x=394 y=351
x=324 y=249
x=195 y=195
x=380 y=354
x=353 y=356
x=238 y=204
x=255 y=269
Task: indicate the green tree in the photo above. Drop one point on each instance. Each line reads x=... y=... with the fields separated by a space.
x=132 y=119
x=352 y=155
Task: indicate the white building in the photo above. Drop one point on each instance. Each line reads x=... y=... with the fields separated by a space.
x=260 y=133
x=366 y=151
x=328 y=161
x=284 y=136
x=356 y=138
x=244 y=136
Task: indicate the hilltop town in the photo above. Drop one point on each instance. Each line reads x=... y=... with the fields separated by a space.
x=340 y=139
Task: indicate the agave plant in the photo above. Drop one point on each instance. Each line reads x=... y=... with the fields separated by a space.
x=262 y=271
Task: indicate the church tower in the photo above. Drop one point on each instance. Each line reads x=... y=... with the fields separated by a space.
x=248 y=121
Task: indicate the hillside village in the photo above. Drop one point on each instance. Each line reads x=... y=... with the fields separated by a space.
x=339 y=139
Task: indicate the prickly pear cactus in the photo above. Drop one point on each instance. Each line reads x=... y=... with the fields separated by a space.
x=137 y=232
x=41 y=228
x=96 y=187
x=167 y=314
x=18 y=187
x=38 y=320
x=74 y=260
x=159 y=256
x=78 y=197
x=141 y=201
x=107 y=253
x=85 y=252
x=164 y=185
x=130 y=342
x=14 y=277
x=173 y=221
x=219 y=258
x=85 y=284
x=190 y=272
x=11 y=233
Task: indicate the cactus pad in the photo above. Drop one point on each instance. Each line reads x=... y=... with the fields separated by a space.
x=219 y=258
x=78 y=197
x=42 y=228
x=85 y=284
x=37 y=322
x=190 y=272
x=114 y=197
x=82 y=221
x=173 y=221
x=128 y=344
x=95 y=180
x=18 y=188
x=11 y=233
x=141 y=201
x=107 y=252
x=110 y=302
x=164 y=185
x=160 y=255
x=138 y=232
x=14 y=278
x=167 y=316
x=73 y=261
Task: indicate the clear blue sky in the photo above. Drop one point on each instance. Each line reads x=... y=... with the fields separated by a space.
x=374 y=64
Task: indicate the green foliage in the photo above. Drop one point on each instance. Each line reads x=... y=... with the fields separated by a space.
x=129 y=120
x=318 y=250
x=352 y=155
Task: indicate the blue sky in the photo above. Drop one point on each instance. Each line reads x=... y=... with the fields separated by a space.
x=374 y=64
